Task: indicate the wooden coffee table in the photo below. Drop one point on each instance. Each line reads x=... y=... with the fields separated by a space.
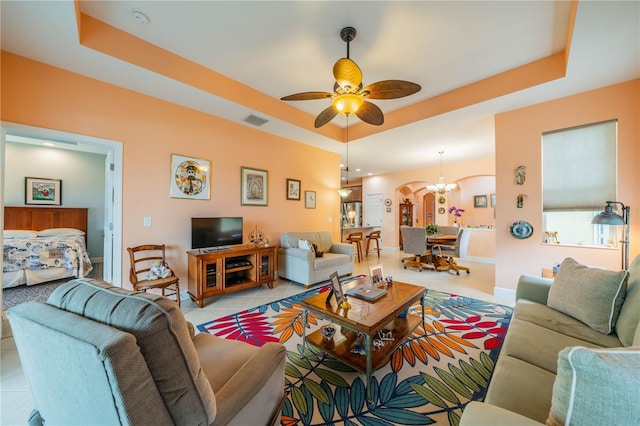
x=361 y=325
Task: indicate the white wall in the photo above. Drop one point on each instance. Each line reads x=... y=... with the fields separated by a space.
x=82 y=177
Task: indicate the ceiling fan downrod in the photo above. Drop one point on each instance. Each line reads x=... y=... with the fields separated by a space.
x=347 y=34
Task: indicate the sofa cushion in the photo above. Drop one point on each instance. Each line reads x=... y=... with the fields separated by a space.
x=596 y=384
x=630 y=312
x=591 y=295
x=521 y=387
x=329 y=260
x=162 y=334
x=548 y=343
x=544 y=316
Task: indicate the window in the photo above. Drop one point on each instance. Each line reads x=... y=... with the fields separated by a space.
x=579 y=174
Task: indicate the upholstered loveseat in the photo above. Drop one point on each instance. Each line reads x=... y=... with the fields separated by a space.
x=306 y=267
x=572 y=352
x=96 y=354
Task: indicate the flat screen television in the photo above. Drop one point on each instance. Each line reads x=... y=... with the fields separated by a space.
x=215 y=232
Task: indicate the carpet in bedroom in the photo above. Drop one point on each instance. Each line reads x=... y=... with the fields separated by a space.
x=16 y=295
x=428 y=380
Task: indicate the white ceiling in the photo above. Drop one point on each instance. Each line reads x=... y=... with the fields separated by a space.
x=280 y=48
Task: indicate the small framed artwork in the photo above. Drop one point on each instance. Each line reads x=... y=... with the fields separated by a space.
x=293 y=189
x=310 y=199
x=480 y=201
x=376 y=274
x=336 y=288
x=255 y=187
x=492 y=197
x=43 y=191
x=190 y=177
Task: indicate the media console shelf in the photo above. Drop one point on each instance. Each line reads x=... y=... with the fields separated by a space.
x=217 y=272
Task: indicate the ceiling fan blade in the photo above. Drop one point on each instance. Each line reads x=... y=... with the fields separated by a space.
x=326 y=116
x=390 y=89
x=347 y=73
x=306 y=96
x=370 y=113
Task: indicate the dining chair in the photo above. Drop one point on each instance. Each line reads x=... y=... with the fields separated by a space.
x=452 y=251
x=415 y=243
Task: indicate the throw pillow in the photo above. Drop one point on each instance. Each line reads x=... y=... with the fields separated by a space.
x=630 y=312
x=306 y=245
x=317 y=251
x=596 y=387
x=588 y=294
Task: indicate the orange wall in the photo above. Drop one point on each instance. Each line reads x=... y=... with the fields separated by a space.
x=518 y=142
x=151 y=130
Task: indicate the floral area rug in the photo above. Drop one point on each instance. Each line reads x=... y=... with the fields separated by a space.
x=429 y=379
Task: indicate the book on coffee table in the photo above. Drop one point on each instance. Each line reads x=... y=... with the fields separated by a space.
x=366 y=292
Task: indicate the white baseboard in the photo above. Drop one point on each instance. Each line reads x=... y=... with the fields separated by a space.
x=504 y=293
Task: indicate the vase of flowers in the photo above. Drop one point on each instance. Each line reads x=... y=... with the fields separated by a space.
x=457 y=215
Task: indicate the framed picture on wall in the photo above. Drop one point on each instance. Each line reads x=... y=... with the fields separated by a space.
x=190 y=177
x=43 y=191
x=493 y=200
x=254 y=186
x=310 y=199
x=480 y=201
x=293 y=189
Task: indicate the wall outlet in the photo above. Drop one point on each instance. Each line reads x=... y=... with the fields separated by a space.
x=147 y=221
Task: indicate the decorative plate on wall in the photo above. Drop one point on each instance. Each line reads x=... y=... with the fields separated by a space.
x=521 y=229
x=387 y=202
x=441 y=210
x=442 y=200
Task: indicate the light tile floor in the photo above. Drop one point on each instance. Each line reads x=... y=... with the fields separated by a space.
x=15 y=399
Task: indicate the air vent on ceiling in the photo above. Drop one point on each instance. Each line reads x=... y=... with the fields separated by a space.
x=255 y=120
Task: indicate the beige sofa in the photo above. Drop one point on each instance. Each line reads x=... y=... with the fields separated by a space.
x=101 y=355
x=303 y=266
x=572 y=352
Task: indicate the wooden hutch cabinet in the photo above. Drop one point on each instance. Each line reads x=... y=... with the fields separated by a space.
x=406 y=217
x=217 y=272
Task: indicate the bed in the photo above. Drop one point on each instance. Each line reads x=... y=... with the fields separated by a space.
x=42 y=244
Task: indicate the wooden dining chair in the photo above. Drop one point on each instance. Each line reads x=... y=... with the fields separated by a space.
x=451 y=252
x=142 y=259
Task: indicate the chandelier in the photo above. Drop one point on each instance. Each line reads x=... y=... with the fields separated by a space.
x=441 y=187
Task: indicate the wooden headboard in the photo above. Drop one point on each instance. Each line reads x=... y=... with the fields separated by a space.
x=39 y=218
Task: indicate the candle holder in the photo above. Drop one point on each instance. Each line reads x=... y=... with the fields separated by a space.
x=256 y=236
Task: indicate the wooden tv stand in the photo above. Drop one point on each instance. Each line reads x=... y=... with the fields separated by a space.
x=214 y=272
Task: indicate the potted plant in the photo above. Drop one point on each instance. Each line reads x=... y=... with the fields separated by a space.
x=432 y=229
x=457 y=215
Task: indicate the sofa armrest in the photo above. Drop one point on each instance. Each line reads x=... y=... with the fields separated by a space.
x=268 y=360
x=533 y=288
x=342 y=248
x=297 y=252
x=481 y=414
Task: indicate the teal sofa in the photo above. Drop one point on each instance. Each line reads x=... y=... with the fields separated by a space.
x=100 y=355
x=571 y=354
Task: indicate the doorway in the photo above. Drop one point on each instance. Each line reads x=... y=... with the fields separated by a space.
x=429 y=208
x=112 y=250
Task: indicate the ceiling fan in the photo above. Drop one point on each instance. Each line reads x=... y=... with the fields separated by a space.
x=349 y=94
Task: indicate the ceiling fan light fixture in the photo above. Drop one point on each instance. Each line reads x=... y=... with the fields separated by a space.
x=344 y=192
x=348 y=103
